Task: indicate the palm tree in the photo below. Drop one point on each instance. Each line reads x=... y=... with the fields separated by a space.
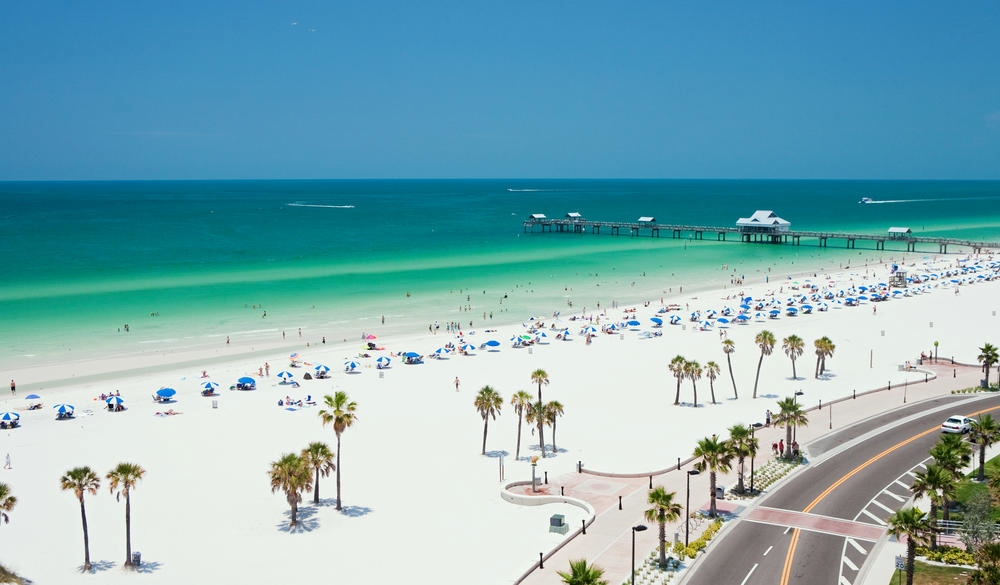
x=537 y=414
x=664 y=509
x=715 y=456
x=987 y=356
x=911 y=523
x=580 y=573
x=292 y=475
x=793 y=347
x=521 y=400
x=743 y=444
x=125 y=476
x=553 y=410
x=340 y=412
x=712 y=372
x=791 y=415
x=824 y=349
x=953 y=454
x=81 y=480
x=765 y=341
x=488 y=402
x=693 y=371
x=985 y=432
x=939 y=486
x=540 y=377
x=676 y=368
x=319 y=457
x=7 y=503
x=728 y=348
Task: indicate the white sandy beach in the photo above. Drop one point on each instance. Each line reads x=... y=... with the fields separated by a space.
x=419 y=499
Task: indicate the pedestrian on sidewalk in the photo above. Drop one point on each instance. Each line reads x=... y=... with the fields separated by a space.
x=781 y=447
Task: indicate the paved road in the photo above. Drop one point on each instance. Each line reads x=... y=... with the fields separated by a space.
x=820 y=527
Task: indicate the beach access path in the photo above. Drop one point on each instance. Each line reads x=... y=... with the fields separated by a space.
x=608 y=541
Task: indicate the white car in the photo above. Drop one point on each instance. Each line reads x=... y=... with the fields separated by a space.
x=957 y=424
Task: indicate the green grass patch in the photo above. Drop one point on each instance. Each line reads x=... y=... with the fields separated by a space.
x=967 y=487
x=924 y=574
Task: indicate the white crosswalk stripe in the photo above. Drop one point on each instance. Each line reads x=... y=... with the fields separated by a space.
x=856 y=546
x=880 y=521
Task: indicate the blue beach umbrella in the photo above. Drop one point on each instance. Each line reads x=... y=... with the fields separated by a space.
x=633 y=323
x=32 y=397
x=675 y=319
x=656 y=320
x=245 y=380
x=115 y=400
x=492 y=343
x=168 y=392
x=9 y=416
x=64 y=408
x=383 y=362
x=285 y=375
x=468 y=347
x=210 y=385
x=743 y=318
x=350 y=366
x=792 y=310
x=322 y=368
x=441 y=352
x=411 y=354
x=723 y=320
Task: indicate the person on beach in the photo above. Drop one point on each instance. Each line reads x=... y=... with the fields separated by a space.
x=7 y=464
x=456 y=383
x=13 y=387
x=267 y=369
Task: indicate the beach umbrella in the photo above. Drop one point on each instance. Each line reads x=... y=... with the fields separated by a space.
x=210 y=385
x=383 y=362
x=32 y=397
x=492 y=343
x=723 y=320
x=350 y=366
x=792 y=310
x=64 y=408
x=742 y=318
x=706 y=324
x=675 y=319
x=295 y=356
x=246 y=381
x=745 y=307
x=633 y=323
x=862 y=298
x=441 y=351
x=168 y=392
x=411 y=354
x=285 y=375
x=656 y=320
x=9 y=416
x=322 y=369
x=370 y=336
x=115 y=400
x=467 y=347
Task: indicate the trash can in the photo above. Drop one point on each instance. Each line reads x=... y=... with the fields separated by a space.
x=557 y=523
x=215 y=404
x=720 y=492
x=136 y=558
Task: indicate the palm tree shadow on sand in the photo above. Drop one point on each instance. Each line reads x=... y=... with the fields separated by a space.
x=307 y=521
x=549 y=451
x=149 y=566
x=356 y=511
x=100 y=566
x=495 y=454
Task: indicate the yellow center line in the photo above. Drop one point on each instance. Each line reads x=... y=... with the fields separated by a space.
x=786 y=570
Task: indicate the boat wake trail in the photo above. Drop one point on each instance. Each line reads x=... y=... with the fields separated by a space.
x=302 y=204
x=932 y=200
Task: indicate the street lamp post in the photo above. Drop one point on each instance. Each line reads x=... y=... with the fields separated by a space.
x=636 y=528
x=687 y=507
x=753 y=452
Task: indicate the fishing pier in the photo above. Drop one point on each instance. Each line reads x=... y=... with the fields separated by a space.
x=762 y=227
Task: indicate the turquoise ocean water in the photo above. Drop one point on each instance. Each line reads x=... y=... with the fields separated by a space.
x=194 y=262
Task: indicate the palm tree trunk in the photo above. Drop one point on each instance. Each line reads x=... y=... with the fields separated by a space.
x=933 y=515
x=818 y=358
x=760 y=362
x=86 y=537
x=663 y=543
x=295 y=509
x=316 y=488
x=788 y=440
x=711 y=388
x=677 y=397
x=739 y=476
x=486 y=424
x=541 y=421
x=554 y=448
x=982 y=461
x=711 y=510
x=694 y=388
x=911 y=554
x=945 y=504
x=794 y=375
x=128 y=529
x=729 y=361
x=338 y=473
x=517 y=452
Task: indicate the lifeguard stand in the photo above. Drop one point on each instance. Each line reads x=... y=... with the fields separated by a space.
x=898 y=279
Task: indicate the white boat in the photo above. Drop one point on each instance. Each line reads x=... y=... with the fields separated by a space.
x=865 y=200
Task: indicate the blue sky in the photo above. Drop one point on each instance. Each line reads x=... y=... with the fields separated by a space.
x=543 y=88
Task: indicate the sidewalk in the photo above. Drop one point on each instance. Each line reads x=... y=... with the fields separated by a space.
x=608 y=541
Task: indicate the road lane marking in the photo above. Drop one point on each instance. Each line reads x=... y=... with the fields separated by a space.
x=883 y=506
x=848 y=562
x=856 y=546
x=844 y=581
x=767 y=551
x=906 y=487
x=880 y=521
x=747 y=578
x=893 y=495
x=786 y=571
